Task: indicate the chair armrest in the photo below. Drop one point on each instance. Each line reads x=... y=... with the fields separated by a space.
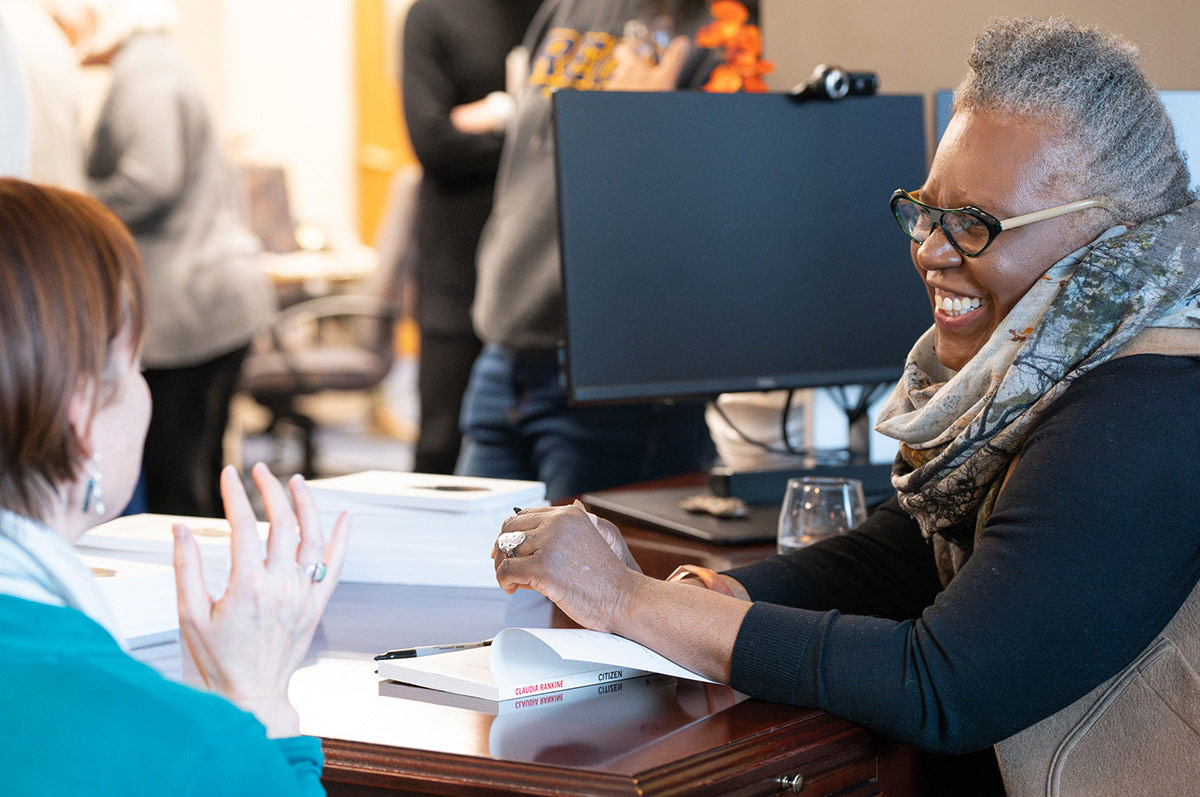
x=334 y=306
x=313 y=312
x=286 y=334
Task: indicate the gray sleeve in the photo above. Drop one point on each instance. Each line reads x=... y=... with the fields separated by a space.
x=136 y=166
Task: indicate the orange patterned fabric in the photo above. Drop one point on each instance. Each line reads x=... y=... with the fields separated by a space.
x=744 y=66
x=709 y=578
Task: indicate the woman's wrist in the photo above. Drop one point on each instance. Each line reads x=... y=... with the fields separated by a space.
x=694 y=628
x=275 y=712
x=703 y=576
x=635 y=596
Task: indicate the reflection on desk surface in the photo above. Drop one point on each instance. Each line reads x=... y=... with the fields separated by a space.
x=597 y=724
x=586 y=726
x=619 y=731
x=339 y=695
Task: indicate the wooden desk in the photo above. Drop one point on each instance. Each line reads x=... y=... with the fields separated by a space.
x=651 y=737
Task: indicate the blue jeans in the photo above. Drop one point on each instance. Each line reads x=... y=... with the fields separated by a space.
x=516 y=424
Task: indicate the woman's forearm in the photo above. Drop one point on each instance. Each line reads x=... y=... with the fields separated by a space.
x=576 y=563
x=695 y=628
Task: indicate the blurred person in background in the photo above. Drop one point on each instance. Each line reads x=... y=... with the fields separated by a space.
x=515 y=419
x=51 y=71
x=456 y=109
x=156 y=161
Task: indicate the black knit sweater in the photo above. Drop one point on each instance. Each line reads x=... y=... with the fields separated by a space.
x=1092 y=548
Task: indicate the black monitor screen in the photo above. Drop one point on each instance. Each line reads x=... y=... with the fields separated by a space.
x=717 y=243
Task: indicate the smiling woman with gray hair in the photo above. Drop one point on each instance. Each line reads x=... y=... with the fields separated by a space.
x=1088 y=84
x=1033 y=583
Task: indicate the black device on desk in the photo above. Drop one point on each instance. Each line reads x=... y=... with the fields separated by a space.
x=723 y=243
x=662 y=508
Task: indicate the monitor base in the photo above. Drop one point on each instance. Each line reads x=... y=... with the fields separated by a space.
x=768 y=486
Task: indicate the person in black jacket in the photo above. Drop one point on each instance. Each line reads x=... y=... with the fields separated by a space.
x=455 y=108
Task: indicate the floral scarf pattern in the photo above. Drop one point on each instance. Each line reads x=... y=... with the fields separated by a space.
x=959 y=431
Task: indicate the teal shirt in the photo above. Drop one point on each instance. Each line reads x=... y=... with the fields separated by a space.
x=79 y=716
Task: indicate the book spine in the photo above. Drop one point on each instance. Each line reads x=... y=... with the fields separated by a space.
x=603 y=675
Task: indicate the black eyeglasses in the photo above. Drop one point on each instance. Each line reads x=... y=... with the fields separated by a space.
x=969 y=229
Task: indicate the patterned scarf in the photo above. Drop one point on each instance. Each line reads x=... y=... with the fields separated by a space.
x=959 y=431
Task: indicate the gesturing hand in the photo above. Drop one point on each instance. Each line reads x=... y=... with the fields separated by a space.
x=487 y=115
x=248 y=643
x=567 y=558
x=633 y=72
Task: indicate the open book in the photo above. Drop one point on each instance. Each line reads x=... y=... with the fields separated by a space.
x=531 y=661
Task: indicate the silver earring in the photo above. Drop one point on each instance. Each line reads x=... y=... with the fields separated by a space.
x=93 y=498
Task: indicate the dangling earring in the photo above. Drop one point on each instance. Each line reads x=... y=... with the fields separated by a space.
x=94 y=496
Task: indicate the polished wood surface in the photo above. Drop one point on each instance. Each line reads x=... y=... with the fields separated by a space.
x=650 y=736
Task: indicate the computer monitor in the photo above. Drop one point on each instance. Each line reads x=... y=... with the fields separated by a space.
x=719 y=243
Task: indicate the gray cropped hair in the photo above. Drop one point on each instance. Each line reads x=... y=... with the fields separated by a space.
x=1089 y=84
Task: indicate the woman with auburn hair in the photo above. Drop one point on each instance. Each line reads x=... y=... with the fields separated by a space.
x=80 y=715
x=1032 y=585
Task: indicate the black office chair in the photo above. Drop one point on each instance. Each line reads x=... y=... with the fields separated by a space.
x=335 y=342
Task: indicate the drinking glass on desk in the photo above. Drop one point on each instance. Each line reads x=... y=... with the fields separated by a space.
x=816 y=508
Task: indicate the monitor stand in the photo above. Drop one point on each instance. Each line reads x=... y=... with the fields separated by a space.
x=768 y=486
x=761 y=490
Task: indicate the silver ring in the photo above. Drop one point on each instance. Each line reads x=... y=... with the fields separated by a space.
x=316 y=572
x=509 y=540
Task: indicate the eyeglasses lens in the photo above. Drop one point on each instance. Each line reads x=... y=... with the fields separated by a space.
x=914 y=219
x=967 y=234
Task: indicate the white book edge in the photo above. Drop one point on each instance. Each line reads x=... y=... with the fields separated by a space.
x=151 y=533
x=438 y=492
x=522 y=662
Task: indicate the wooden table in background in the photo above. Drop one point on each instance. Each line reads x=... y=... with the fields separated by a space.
x=652 y=737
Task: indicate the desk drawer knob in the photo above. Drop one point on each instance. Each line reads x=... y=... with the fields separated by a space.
x=793 y=784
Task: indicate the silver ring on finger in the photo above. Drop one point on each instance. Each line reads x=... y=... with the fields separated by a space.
x=316 y=572
x=509 y=541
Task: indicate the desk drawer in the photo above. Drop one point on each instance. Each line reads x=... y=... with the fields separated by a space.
x=846 y=774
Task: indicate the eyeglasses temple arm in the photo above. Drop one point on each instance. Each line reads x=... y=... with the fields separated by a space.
x=1054 y=212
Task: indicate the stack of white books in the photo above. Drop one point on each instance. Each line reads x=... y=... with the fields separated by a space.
x=141 y=596
x=416 y=528
x=148 y=538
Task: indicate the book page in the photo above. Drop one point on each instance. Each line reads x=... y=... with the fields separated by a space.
x=151 y=533
x=523 y=662
x=519 y=653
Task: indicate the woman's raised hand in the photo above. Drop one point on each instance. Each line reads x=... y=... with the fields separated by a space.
x=248 y=643
x=569 y=558
x=633 y=72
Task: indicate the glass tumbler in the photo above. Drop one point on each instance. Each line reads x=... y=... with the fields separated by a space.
x=815 y=508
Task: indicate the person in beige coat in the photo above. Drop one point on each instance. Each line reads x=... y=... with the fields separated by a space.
x=156 y=161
